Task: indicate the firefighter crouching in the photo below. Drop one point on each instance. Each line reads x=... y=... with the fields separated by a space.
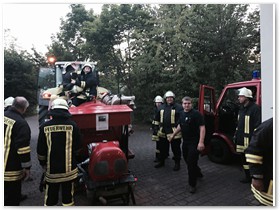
x=58 y=144
x=158 y=101
x=259 y=155
x=86 y=84
x=166 y=122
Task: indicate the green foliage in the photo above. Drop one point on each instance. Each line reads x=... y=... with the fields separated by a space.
x=20 y=76
x=145 y=51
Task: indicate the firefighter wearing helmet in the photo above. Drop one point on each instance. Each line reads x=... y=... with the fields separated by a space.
x=8 y=102
x=88 y=82
x=67 y=75
x=249 y=117
x=166 y=122
x=58 y=144
x=158 y=101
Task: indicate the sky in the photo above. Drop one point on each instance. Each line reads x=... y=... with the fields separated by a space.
x=33 y=24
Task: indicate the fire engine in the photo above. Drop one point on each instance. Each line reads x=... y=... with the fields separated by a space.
x=105 y=125
x=221 y=117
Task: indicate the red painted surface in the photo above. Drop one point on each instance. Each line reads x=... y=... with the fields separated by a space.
x=85 y=114
x=107 y=162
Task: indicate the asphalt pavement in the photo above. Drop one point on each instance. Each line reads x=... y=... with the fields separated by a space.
x=220 y=185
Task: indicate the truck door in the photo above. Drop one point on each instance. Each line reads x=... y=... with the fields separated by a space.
x=206 y=106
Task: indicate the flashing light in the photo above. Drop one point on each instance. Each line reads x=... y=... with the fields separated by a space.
x=256 y=74
x=51 y=59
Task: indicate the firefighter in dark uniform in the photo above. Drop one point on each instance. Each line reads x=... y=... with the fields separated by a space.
x=158 y=101
x=259 y=155
x=249 y=117
x=67 y=75
x=166 y=121
x=191 y=124
x=17 y=161
x=88 y=82
x=58 y=145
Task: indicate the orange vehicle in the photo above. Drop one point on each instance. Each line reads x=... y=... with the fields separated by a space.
x=221 y=117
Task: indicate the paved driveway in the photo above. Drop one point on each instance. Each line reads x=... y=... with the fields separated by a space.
x=220 y=185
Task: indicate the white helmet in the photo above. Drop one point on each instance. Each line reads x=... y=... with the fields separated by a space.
x=245 y=92
x=169 y=94
x=87 y=64
x=8 y=101
x=158 y=99
x=60 y=103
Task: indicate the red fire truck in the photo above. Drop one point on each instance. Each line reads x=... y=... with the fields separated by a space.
x=105 y=125
x=221 y=117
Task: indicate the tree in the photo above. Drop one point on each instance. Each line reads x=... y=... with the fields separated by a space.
x=221 y=38
x=20 y=76
x=68 y=44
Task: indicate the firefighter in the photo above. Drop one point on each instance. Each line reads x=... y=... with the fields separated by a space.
x=8 y=102
x=88 y=82
x=249 y=117
x=17 y=162
x=259 y=155
x=58 y=145
x=158 y=101
x=192 y=125
x=67 y=76
x=166 y=122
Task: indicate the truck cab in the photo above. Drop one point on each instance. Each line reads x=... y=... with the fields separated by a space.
x=221 y=117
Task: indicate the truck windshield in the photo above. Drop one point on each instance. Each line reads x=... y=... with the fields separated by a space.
x=46 y=78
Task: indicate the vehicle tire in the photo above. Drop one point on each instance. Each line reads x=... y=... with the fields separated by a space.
x=43 y=111
x=219 y=152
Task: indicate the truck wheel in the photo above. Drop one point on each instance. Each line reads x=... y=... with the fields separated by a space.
x=219 y=152
x=43 y=111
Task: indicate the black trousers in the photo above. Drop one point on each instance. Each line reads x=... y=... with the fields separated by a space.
x=12 y=193
x=191 y=156
x=245 y=165
x=52 y=193
x=164 y=149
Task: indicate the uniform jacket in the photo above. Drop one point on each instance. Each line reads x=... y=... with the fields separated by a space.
x=259 y=155
x=88 y=82
x=58 y=144
x=249 y=118
x=167 y=119
x=67 y=85
x=154 y=126
x=17 y=136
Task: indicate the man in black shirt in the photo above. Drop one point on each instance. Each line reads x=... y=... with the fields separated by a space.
x=191 y=124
